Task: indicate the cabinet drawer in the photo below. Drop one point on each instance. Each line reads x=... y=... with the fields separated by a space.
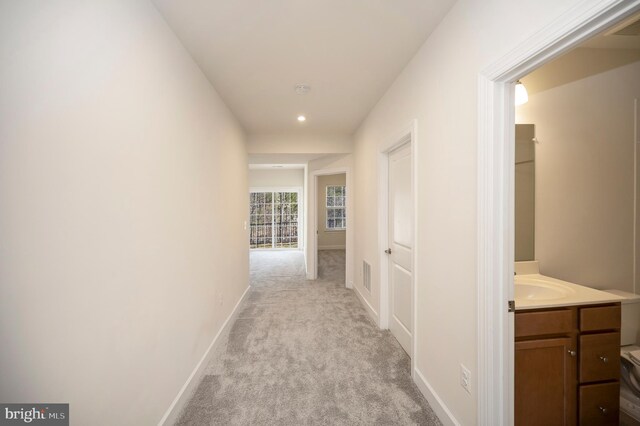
x=542 y=323
x=599 y=357
x=599 y=404
x=600 y=318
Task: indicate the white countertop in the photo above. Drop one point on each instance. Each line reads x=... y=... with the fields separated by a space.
x=570 y=294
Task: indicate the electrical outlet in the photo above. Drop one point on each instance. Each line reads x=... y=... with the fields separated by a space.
x=465 y=378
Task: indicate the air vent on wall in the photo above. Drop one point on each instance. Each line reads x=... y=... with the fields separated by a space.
x=366 y=276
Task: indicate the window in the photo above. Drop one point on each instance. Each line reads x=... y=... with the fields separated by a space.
x=336 y=210
x=274 y=220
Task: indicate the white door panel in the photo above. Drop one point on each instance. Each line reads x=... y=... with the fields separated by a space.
x=401 y=245
x=401 y=256
x=402 y=301
x=400 y=197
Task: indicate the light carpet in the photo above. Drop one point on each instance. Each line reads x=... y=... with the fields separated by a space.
x=305 y=353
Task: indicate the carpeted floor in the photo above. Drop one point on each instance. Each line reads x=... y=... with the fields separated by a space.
x=305 y=353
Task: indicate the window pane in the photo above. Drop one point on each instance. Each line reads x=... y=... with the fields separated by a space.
x=330 y=191
x=330 y=202
x=331 y=223
x=274 y=219
x=338 y=191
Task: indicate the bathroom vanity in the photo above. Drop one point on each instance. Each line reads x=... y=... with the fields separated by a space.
x=567 y=365
x=567 y=353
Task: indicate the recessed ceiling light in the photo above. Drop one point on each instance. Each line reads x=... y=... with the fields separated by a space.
x=301 y=118
x=302 y=89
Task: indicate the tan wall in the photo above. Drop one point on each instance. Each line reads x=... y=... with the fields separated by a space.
x=585 y=165
x=115 y=251
x=328 y=239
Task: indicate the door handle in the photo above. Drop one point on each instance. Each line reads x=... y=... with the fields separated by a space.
x=388 y=251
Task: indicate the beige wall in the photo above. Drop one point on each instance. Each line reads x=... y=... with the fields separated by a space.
x=439 y=88
x=276 y=178
x=328 y=239
x=585 y=165
x=114 y=251
x=299 y=143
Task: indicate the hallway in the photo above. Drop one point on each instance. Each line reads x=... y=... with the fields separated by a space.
x=306 y=352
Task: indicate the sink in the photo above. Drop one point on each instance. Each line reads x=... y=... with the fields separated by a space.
x=529 y=288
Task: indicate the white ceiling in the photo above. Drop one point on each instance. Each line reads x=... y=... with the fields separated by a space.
x=255 y=52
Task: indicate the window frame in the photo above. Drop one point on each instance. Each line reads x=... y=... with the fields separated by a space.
x=272 y=222
x=334 y=208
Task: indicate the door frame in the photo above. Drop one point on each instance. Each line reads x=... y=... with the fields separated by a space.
x=406 y=135
x=496 y=228
x=299 y=191
x=312 y=270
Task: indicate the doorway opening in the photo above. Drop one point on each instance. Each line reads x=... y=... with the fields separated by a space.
x=331 y=225
x=496 y=170
x=575 y=221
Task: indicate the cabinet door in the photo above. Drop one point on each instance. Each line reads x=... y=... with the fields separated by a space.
x=545 y=382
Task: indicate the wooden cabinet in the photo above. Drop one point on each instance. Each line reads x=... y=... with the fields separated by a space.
x=567 y=366
x=545 y=398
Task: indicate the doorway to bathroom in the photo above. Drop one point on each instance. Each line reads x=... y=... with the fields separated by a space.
x=496 y=170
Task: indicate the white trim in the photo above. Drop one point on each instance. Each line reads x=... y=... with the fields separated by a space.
x=184 y=395
x=437 y=404
x=495 y=196
x=312 y=266
x=407 y=135
x=333 y=247
x=367 y=306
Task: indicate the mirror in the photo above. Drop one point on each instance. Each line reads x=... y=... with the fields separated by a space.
x=525 y=193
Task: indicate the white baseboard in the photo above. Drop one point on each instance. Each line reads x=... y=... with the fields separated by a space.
x=334 y=247
x=180 y=401
x=372 y=312
x=438 y=406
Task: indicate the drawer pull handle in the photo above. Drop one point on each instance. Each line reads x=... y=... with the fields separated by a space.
x=604 y=359
x=603 y=411
x=572 y=352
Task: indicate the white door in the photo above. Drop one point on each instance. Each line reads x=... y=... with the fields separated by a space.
x=401 y=246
